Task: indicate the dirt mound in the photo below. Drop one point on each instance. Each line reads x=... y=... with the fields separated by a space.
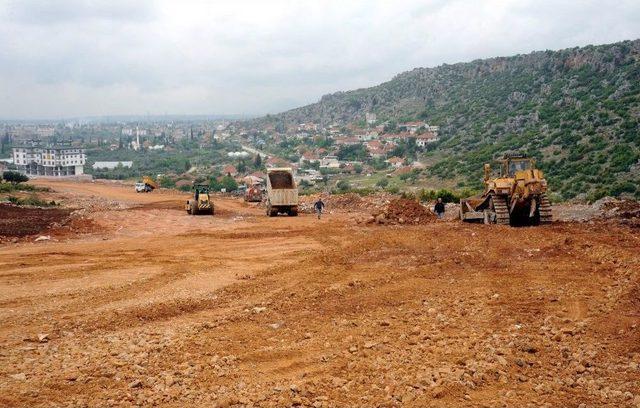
x=348 y=202
x=621 y=209
x=404 y=211
x=22 y=221
x=614 y=210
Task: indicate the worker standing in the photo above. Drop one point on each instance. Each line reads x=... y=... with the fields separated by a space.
x=319 y=206
x=439 y=208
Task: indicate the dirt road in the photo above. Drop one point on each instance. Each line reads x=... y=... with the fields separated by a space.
x=153 y=307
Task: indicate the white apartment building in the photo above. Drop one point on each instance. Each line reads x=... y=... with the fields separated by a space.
x=49 y=161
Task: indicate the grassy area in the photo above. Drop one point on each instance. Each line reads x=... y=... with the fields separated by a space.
x=33 y=200
x=10 y=188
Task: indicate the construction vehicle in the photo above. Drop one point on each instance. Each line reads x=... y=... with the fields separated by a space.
x=253 y=194
x=517 y=196
x=282 y=192
x=201 y=202
x=147 y=185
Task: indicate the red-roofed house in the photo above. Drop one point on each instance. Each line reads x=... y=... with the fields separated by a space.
x=426 y=138
x=277 y=162
x=347 y=141
x=374 y=144
x=396 y=162
x=230 y=169
x=309 y=157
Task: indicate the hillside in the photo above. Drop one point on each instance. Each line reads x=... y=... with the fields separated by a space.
x=576 y=110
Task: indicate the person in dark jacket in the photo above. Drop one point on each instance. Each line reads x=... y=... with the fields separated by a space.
x=439 y=208
x=318 y=207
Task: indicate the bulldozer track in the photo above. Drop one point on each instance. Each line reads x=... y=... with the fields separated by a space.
x=546 y=216
x=501 y=209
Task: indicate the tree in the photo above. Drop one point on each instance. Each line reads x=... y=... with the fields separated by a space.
x=343 y=186
x=14 y=177
x=187 y=166
x=242 y=166
x=257 y=163
x=383 y=182
x=228 y=183
x=352 y=152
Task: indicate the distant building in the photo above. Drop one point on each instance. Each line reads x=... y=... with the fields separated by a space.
x=230 y=170
x=53 y=161
x=45 y=131
x=426 y=138
x=110 y=165
x=308 y=157
x=396 y=162
x=330 y=162
x=412 y=127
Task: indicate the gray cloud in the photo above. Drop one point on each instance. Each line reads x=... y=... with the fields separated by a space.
x=70 y=58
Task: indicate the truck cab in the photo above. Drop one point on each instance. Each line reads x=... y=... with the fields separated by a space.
x=142 y=187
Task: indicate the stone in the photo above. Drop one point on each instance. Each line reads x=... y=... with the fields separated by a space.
x=19 y=376
x=43 y=337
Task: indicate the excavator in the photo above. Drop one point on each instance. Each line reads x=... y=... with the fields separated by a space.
x=517 y=196
x=201 y=202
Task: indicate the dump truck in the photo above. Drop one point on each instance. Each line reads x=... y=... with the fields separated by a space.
x=516 y=195
x=201 y=202
x=282 y=192
x=147 y=185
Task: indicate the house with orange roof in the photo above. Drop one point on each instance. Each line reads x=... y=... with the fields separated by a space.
x=426 y=138
x=309 y=157
x=231 y=170
x=395 y=161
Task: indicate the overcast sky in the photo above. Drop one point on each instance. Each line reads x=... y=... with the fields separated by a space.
x=106 y=57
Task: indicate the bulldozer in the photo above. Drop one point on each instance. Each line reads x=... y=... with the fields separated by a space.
x=201 y=202
x=517 y=195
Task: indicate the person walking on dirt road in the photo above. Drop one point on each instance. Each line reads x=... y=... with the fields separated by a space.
x=439 y=208
x=318 y=206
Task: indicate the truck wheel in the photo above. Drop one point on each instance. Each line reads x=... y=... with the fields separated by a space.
x=194 y=208
x=293 y=212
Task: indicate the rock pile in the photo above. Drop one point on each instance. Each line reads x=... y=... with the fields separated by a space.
x=626 y=211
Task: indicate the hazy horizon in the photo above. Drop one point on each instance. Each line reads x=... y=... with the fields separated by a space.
x=75 y=59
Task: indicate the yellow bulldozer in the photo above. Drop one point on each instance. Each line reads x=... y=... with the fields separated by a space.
x=517 y=195
x=201 y=202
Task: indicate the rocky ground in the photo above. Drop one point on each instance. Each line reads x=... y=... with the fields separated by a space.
x=154 y=307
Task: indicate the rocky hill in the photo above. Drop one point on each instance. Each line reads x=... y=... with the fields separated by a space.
x=577 y=110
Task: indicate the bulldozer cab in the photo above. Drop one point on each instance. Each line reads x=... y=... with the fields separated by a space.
x=509 y=166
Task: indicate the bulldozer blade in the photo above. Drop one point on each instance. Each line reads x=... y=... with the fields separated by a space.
x=532 y=210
